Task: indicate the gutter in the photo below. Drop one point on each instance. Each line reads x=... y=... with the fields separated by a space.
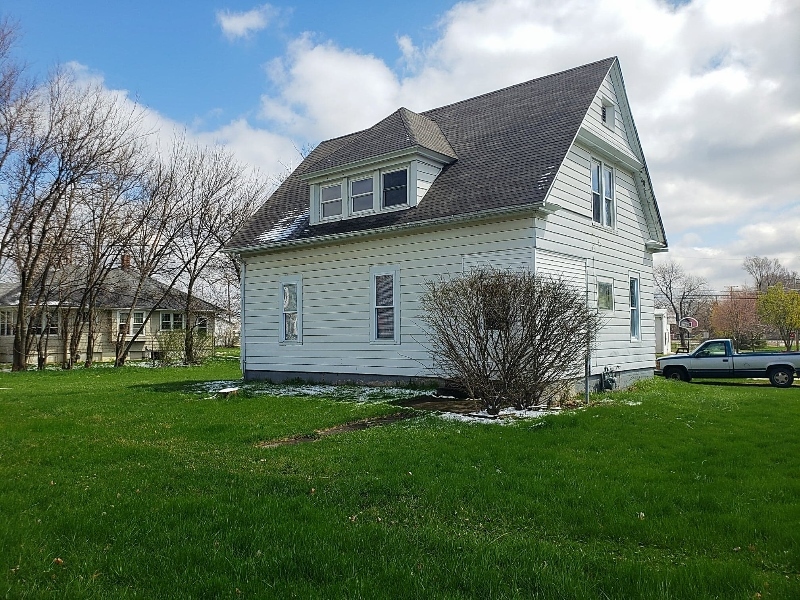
x=541 y=207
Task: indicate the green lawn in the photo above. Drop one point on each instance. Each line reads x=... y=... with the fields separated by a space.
x=135 y=483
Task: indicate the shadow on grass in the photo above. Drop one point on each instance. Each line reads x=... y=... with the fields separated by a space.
x=734 y=383
x=185 y=385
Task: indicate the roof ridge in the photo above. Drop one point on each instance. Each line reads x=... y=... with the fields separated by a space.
x=520 y=84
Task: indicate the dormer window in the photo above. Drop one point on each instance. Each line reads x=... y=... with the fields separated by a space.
x=361 y=194
x=331 y=200
x=395 y=188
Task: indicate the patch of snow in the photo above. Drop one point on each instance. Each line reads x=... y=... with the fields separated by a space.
x=285 y=228
x=505 y=417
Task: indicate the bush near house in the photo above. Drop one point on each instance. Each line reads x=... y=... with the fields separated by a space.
x=508 y=337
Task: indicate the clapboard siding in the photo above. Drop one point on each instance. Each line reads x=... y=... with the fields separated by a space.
x=336 y=299
x=426 y=173
x=617 y=136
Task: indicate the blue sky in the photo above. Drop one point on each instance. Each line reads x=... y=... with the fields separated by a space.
x=713 y=85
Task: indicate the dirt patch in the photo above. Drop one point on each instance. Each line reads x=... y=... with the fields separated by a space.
x=352 y=426
x=463 y=406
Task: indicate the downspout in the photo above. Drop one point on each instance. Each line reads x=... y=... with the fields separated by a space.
x=242 y=339
x=588 y=366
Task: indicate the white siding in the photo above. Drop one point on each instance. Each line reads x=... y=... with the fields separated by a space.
x=336 y=297
x=618 y=135
x=426 y=173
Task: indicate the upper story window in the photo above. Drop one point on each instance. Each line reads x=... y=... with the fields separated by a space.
x=331 y=200
x=607 y=113
x=395 y=188
x=361 y=194
x=603 y=209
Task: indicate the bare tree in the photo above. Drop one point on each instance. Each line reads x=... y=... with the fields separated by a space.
x=79 y=133
x=767 y=272
x=683 y=294
x=508 y=337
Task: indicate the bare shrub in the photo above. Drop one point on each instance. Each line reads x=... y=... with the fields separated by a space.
x=508 y=337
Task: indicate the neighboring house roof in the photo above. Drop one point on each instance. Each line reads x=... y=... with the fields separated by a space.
x=508 y=146
x=118 y=291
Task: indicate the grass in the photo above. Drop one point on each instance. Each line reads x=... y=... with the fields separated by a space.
x=133 y=483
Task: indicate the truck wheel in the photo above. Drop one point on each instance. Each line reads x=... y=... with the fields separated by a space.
x=781 y=377
x=677 y=373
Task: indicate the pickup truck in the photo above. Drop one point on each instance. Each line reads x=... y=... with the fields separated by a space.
x=716 y=358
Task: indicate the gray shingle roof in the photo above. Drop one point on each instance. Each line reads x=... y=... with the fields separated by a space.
x=509 y=145
x=401 y=130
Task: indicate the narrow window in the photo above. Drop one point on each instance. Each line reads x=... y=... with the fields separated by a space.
x=361 y=194
x=166 y=321
x=605 y=295
x=597 y=204
x=635 y=312
x=6 y=323
x=331 y=200
x=202 y=325
x=395 y=188
x=291 y=323
x=385 y=311
x=177 y=320
x=384 y=307
x=52 y=323
x=123 y=323
x=608 y=197
x=607 y=114
x=138 y=321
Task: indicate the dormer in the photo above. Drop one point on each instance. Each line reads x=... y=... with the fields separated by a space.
x=388 y=167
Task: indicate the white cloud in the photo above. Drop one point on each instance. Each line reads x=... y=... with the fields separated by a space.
x=242 y=24
x=712 y=84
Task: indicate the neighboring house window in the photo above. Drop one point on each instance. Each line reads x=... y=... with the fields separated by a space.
x=123 y=323
x=7 y=322
x=138 y=321
x=331 y=200
x=636 y=324
x=171 y=321
x=202 y=325
x=292 y=311
x=605 y=295
x=603 y=194
x=361 y=194
x=395 y=188
x=385 y=295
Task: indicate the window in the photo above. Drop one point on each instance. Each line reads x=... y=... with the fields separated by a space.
x=291 y=311
x=395 y=188
x=201 y=324
x=171 y=321
x=331 y=200
x=385 y=313
x=602 y=194
x=605 y=295
x=607 y=114
x=7 y=322
x=635 y=309
x=52 y=323
x=122 y=320
x=361 y=194
x=138 y=320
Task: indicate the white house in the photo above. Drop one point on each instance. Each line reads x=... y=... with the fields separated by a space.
x=547 y=175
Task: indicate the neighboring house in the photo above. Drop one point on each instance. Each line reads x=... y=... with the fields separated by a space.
x=547 y=175
x=115 y=318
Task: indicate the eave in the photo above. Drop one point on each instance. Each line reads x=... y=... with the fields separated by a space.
x=540 y=208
